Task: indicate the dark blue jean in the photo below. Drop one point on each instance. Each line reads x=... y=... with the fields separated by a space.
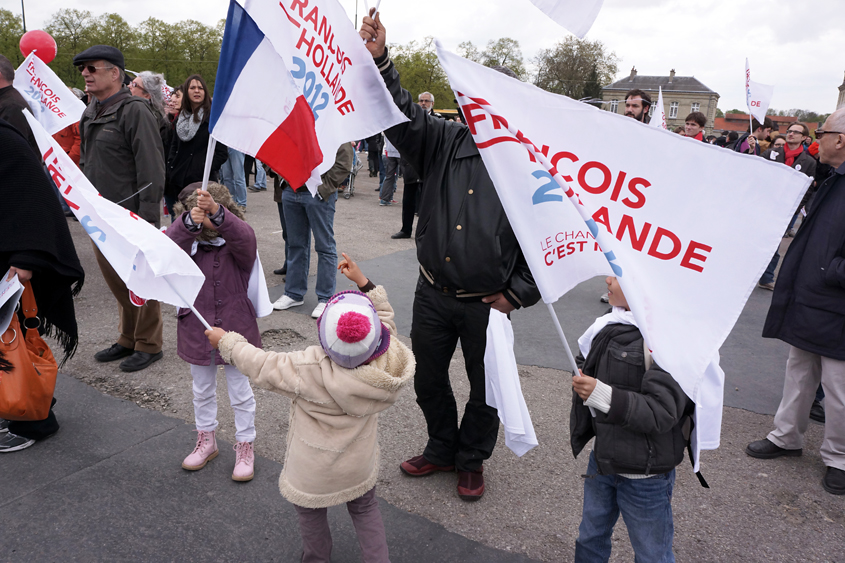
x=769 y=274
x=306 y=214
x=646 y=507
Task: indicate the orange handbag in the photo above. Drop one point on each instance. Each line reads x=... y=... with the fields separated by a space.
x=27 y=390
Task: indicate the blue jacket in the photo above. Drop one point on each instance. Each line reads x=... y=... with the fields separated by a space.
x=808 y=305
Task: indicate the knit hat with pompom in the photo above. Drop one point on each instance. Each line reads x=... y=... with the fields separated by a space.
x=350 y=330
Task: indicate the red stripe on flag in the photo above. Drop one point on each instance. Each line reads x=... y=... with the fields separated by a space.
x=292 y=150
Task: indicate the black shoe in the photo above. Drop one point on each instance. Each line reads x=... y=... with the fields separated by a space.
x=834 y=481
x=764 y=449
x=13 y=443
x=116 y=352
x=139 y=361
x=817 y=412
x=400 y=234
x=281 y=271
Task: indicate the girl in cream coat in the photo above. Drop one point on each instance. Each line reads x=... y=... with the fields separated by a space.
x=338 y=389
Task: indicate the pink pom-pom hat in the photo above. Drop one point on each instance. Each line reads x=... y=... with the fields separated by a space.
x=350 y=330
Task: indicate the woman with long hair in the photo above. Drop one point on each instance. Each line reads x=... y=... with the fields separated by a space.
x=186 y=157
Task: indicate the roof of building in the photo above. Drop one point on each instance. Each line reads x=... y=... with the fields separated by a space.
x=667 y=83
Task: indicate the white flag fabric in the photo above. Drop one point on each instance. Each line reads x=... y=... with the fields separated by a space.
x=577 y=16
x=501 y=383
x=150 y=264
x=757 y=96
x=658 y=118
x=51 y=102
x=328 y=64
x=639 y=203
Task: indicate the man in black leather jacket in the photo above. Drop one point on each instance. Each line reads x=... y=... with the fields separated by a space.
x=470 y=261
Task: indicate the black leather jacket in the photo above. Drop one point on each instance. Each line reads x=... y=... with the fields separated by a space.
x=647 y=428
x=464 y=240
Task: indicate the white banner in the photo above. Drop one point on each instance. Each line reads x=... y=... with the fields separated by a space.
x=757 y=96
x=658 y=118
x=332 y=68
x=51 y=102
x=684 y=225
x=576 y=16
x=150 y=264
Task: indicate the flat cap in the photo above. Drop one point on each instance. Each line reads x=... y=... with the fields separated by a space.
x=101 y=53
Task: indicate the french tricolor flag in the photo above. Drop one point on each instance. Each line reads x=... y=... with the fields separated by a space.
x=275 y=125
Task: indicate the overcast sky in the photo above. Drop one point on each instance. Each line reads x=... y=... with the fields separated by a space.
x=797 y=46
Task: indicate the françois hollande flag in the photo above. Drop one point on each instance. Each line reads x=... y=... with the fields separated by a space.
x=150 y=264
x=51 y=102
x=294 y=83
x=590 y=192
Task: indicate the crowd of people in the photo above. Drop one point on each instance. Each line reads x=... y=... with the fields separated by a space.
x=141 y=144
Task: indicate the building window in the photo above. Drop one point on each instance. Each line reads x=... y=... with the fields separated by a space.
x=614 y=104
x=695 y=107
x=673 y=110
x=651 y=110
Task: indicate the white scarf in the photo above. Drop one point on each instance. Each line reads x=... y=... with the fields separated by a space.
x=186 y=127
x=257 y=289
x=619 y=315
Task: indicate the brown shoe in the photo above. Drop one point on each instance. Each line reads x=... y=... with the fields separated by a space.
x=419 y=467
x=471 y=484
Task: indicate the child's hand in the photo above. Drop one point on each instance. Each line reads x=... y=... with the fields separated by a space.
x=351 y=270
x=206 y=202
x=583 y=385
x=198 y=215
x=214 y=336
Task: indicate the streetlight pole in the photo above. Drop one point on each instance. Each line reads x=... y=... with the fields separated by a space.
x=356 y=13
x=23 y=16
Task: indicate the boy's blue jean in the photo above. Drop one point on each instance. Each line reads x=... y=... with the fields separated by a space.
x=646 y=506
x=305 y=214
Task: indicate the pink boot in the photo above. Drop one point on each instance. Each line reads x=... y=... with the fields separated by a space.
x=205 y=451
x=244 y=461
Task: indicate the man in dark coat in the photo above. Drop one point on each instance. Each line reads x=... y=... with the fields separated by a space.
x=123 y=157
x=35 y=244
x=808 y=313
x=12 y=103
x=470 y=261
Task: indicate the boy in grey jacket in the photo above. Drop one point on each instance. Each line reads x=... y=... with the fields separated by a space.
x=641 y=420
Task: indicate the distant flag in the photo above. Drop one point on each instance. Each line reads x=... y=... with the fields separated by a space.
x=577 y=16
x=658 y=118
x=51 y=102
x=757 y=96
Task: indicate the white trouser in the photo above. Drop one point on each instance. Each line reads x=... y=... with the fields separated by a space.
x=804 y=370
x=240 y=397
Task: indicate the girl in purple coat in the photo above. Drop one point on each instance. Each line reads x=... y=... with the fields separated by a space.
x=214 y=233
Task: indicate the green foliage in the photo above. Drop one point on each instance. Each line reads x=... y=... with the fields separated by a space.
x=574 y=66
x=719 y=113
x=504 y=52
x=469 y=51
x=11 y=29
x=420 y=71
x=734 y=111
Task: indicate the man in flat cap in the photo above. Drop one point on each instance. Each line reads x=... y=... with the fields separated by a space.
x=122 y=155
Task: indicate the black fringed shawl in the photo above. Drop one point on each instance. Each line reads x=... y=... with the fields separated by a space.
x=34 y=236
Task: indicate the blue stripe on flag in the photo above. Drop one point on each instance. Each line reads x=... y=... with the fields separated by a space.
x=240 y=40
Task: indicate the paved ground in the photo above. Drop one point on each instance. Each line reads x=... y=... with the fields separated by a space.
x=110 y=483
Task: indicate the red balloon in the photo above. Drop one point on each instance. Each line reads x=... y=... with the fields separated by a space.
x=41 y=42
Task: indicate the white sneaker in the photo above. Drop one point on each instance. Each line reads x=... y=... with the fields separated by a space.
x=605 y=298
x=285 y=302
x=318 y=310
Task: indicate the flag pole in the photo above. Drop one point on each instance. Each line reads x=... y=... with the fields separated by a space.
x=209 y=157
x=572 y=362
x=190 y=306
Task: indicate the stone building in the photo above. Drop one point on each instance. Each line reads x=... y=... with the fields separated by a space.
x=682 y=95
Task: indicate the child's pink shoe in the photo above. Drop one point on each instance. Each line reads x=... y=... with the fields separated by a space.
x=205 y=451
x=244 y=462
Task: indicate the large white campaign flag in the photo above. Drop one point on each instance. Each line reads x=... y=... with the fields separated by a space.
x=51 y=102
x=307 y=54
x=757 y=96
x=687 y=227
x=150 y=264
x=658 y=118
x=575 y=15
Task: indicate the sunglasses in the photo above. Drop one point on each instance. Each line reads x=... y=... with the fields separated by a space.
x=91 y=68
x=136 y=85
x=820 y=132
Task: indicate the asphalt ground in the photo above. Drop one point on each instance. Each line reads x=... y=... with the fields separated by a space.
x=755 y=510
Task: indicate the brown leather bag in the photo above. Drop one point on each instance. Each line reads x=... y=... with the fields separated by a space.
x=27 y=390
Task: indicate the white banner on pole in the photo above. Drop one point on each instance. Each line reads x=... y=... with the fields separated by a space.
x=637 y=202
x=577 y=16
x=52 y=103
x=757 y=96
x=150 y=264
x=658 y=118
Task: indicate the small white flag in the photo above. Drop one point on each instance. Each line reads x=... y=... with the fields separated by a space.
x=577 y=16
x=658 y=118
x=51 y=102
x=757 y=96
